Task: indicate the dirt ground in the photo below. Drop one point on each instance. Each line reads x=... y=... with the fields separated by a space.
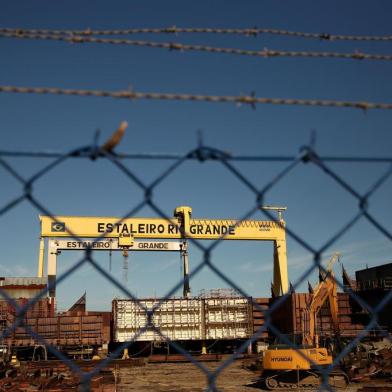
x=186 y=377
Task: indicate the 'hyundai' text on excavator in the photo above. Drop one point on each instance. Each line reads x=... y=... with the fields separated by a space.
x=289 y=367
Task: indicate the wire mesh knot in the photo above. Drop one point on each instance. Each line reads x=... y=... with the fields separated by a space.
x=148 y=195
x=254 y=32
x=203 y=154
x=170 y=30
x=325 y=36
x=363 y=204
x=28 y=189
x=76 y=39
x=358 y=56
x=175 y=46
x=308 y=155
x=150 y=314
x=248 y=99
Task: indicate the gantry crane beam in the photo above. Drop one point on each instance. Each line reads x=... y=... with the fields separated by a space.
x=55 y=246
x=182 y=226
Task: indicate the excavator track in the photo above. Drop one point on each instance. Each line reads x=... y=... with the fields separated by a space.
x=302 y=380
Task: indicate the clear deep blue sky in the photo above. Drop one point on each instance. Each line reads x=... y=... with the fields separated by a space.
x=317 y=207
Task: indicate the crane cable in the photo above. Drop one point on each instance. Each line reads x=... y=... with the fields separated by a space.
x=125 y=265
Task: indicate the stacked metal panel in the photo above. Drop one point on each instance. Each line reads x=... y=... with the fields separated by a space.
x=350 y=322
x=40 y=309
x=352 y=318
x=227 y=318
x=182 y=319
x=177 y=319
x=289 y=317
x=60 y=330
x=258 y=316
x=300 y=302
x=22 y=287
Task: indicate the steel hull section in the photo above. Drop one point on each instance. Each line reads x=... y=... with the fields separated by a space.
x=182 y=319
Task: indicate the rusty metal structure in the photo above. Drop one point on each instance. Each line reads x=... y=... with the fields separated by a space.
x=288 y=318
x=41 y=325
x=78 y=327
x=21 y=287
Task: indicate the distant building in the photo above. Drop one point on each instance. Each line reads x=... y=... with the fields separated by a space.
x=379 y=277
x=373 y=285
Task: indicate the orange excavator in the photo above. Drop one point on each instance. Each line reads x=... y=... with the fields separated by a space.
x=289 y=367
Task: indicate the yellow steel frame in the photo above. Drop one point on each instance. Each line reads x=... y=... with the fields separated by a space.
x=181 y=226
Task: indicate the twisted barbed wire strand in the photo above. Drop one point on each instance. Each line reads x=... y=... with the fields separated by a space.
x=254 y=31
x=240 y=99
x=265 y=53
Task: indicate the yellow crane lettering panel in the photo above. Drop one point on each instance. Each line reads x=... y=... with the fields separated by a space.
x=93 y=227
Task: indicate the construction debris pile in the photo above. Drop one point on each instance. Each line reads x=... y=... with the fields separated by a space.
x=370 y=360
x=56 y=376
x=29 y=378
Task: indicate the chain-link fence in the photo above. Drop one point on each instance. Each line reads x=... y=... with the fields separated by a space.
x=307 y=156
x=301 y=355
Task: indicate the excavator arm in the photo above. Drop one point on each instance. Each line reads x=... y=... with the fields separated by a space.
x=325 y=290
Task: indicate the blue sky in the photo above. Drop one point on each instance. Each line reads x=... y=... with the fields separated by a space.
x=317 y=206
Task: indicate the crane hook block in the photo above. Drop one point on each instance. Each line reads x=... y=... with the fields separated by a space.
x=125 y=240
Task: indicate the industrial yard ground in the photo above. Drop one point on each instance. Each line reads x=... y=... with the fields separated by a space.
x=157 y=376
x=186 y=377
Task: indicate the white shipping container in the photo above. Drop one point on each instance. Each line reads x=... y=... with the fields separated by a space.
x=182 y=319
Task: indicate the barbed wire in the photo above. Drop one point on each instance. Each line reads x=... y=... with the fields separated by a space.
x=265 y=53
x=251 y=100
x=202 y=153
x=255 y=31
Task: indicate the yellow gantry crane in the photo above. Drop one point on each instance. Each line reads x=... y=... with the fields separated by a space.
x=181 y=227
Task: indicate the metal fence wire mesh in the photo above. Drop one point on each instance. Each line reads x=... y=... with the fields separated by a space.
x=172 y=163
x=307 y=156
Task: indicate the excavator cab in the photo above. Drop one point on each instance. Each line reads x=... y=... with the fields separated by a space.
x=294 y=339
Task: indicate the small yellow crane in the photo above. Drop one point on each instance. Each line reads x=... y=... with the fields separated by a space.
x=287 y=367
